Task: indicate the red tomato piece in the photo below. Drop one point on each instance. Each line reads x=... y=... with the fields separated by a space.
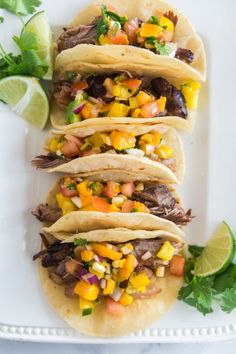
x=177 y=266
x=127 y=189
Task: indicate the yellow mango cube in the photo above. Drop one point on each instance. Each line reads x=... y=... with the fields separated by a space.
x=119 y=110
x=139 y=280
x=110 y=287
x=164 y=152
x=126 y=299
x=167 y=24
x=150 y=30
x=87 y=291
x=166 y=251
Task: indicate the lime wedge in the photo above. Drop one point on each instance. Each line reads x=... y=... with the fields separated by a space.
x=40 y=26
x=27 y=98
x=218 y=254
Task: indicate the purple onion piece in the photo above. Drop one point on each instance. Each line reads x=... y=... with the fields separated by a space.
x=98 y=258
x=90 y=278
x=116 y=295
x=81 y=273
x=79 y=108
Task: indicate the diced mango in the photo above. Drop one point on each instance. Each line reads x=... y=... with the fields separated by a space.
x=126 y=299
x=133 y=102
x=121 y=92
x=87 y=291
x=139 y=281
x=86 y=201
x=140 y=207
x=190 y=91
x=103 y=40
x=143 y=98
x=85 y=304
x=162 y=103
x=110 y=286
x=128 y=268
x=164 y=152
x=83 y=189
x=122 y=140
x=150 y=30
x=156 y=138
x=118 y=264
x=87 y=255
x=87 y=208
x=103 y=251
x=136 y=113
x=68 y=207
x=114 y=209
x=166 y=251
x=147 y=137
x=87 y=111
x=53 y=145
x=167 y=24
x=119 y=110
x=61 y=199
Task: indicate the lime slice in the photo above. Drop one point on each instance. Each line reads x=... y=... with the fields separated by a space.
x=27 y=98
x=218 y=254
x=40 y=26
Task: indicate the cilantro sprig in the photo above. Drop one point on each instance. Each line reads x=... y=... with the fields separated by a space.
x=161 y=48
x=1 y=19
x=80 y=242
x=28 y=61
x=205 y=292
x=102 y=22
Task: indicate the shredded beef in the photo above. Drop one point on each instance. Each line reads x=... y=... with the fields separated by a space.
x=62 y=93
x=185 y=55
x=46 y=214
x=48 y=161
x=176 y=105
x=81 y=34
x=96 y=88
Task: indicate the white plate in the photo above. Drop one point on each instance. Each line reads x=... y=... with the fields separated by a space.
x=209 y=188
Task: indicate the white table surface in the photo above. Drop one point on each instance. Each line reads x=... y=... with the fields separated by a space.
x=35 y=348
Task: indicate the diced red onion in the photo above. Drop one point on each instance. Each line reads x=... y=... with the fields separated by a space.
x=90 y=278
x=81 y=272
x=135 y=262
x=146 y=255
x=103 y=283
x=78 y=109
x=98 y=258
x=116 y=295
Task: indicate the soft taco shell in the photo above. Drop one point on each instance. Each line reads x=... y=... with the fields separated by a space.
x=71 y=63
x=139 y=315
x=109 y=161
x=185 y=35
x=83 y=221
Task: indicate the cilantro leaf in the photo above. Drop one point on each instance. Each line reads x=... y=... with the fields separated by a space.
x=161 y=48
x=185 y=291
x=80 y=242
x=195 y=250
x=72 y=186
x=1 y=19
x=102 y=28
x=154 y=20
x=27 y=41
x=228 y=300
x=121 y=19
x=225 y=280
x=203 y=294
x=20 y=7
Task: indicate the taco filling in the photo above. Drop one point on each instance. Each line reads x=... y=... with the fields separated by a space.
x=76 y=194
x=120 y=95
x=113 y=274
x=65 y=148
x=156 y=34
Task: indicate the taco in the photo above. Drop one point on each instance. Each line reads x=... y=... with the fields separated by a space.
x=89 y=95
x=112 y=282
x=152 y=150
x=78 y=205
x=145 y=32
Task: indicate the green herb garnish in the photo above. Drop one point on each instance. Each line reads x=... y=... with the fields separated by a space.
x=161 y=48
x=87 y=312
x=71 y=186
x=203 y=292
x=154 y=20
x=1 y=19
x=20 y=7
x=80 y=242
x=134 y=210
x=70 y=76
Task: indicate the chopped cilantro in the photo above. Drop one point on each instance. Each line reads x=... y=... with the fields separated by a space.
x=154 y=20
x=87 y=312
x=71 y=186
x=195 y=250
x=80 y=242
x=161 y=48
x=70 y=76
x=20 y=7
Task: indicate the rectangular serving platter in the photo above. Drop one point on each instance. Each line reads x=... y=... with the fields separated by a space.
x=208 y=188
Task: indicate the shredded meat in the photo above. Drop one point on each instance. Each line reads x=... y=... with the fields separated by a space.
x=46 y=214
x=62 y=93
x=82 y=34
x=171 y=16
x=185 y=55
x=48 y=161
x=176 y=105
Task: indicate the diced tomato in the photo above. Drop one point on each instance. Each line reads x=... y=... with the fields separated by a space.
x=78 y=86
x=68 y=187
x=114 y=308
x=72 y=267
x=165 y=36
x=127 y=189
x=150 y=110
x=112 y=189
x=133 y=84
x=127 y=206
x=71 y=148
x=119 y=37
x=131 y=27
x=100 y=204
x=177 y=266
